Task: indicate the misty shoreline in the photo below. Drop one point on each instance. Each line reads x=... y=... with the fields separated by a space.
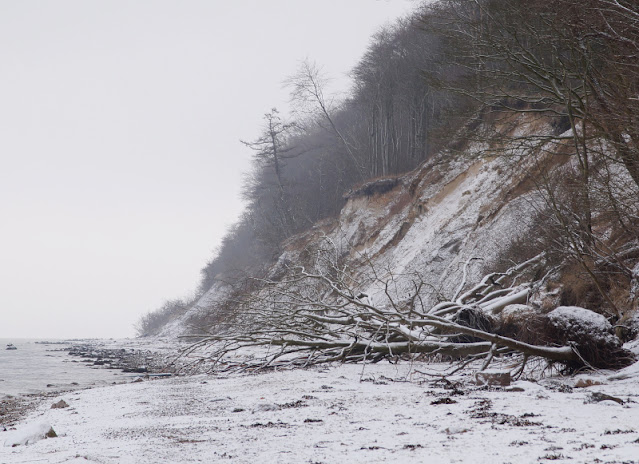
x=132 y=357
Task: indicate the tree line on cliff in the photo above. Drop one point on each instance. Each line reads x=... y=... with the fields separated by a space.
x=432 y=79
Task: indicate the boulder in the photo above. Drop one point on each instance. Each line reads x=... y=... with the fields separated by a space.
x=59 y=405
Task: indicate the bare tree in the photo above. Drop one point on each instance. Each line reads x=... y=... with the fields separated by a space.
x=573 y=62
x=398 y=107
x=271 y=151
x=307 y=90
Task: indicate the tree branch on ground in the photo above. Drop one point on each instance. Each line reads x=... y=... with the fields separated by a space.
x=319 y=314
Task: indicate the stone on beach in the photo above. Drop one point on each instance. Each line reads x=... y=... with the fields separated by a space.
x=60 y=404
x=30 y=434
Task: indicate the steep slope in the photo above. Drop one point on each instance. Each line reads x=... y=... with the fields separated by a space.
x=455 y=214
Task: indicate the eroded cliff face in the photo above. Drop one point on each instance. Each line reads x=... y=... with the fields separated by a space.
x=424 y=226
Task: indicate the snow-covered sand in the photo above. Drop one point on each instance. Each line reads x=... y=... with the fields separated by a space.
x=335 y=414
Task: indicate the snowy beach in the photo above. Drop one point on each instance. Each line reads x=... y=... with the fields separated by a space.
x=398 y=231
x=338 y=413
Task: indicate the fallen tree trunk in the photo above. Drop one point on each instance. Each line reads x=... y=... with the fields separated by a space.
x=320 y=316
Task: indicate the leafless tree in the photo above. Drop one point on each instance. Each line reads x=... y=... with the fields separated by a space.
x=271 y=151
x=573 y=62
x=307 y=91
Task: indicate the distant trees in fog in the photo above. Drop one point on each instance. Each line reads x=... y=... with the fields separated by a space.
x=154 y=321
x=392 y=121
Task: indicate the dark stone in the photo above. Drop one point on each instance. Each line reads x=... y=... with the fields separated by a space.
x=445 y=400
x=59 y=405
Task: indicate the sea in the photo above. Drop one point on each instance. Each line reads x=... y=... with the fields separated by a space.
x=44 y=365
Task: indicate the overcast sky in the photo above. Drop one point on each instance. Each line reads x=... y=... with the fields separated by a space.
x=120 y=161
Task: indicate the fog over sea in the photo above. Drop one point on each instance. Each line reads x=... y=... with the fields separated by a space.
x=36 y=364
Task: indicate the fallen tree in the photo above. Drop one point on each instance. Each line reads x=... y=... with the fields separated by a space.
x=318 y=314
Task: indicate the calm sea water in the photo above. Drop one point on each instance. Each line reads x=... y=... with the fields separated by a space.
x=33 y=366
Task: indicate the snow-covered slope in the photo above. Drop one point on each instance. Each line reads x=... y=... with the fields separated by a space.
x=428 y=223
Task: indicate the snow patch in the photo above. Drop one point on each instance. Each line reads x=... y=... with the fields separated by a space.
x=567 y=317
x=29 y=434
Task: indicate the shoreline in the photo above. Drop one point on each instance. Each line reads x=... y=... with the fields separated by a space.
x=136 y=357
x=15 y=408
x=334 y=413
x=338 y=413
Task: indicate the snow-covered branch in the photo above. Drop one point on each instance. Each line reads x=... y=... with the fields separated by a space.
x=316 y=315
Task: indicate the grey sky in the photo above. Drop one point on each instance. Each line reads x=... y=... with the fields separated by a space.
x=120 y=161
